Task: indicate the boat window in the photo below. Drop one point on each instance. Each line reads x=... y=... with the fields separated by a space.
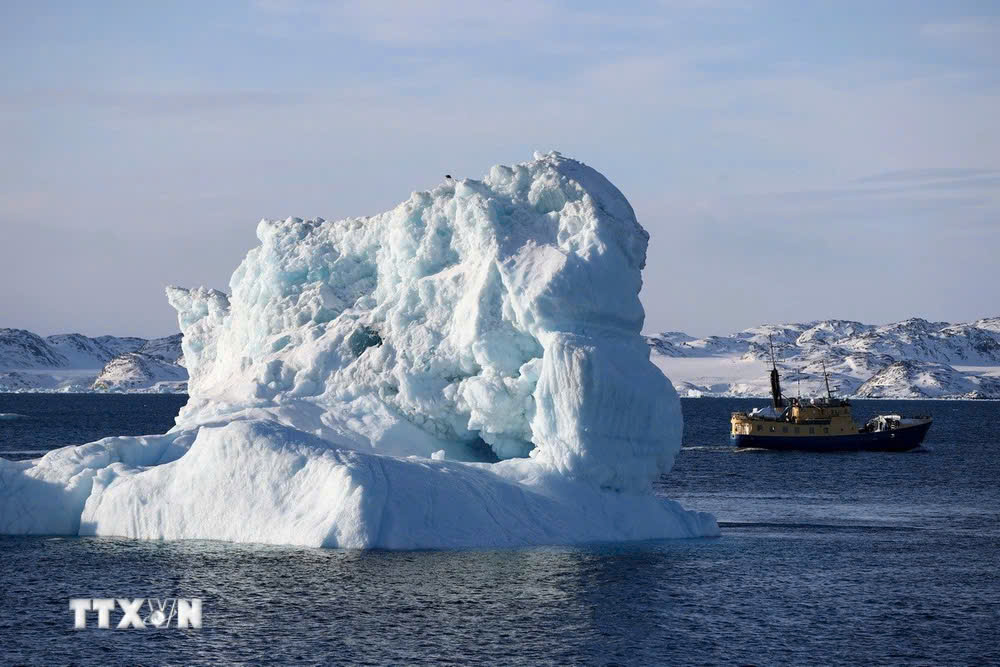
x=772 y=429
x=784 y=429
x=759 y=427
x=796 y=429
x=812 y=429
x=826 y=429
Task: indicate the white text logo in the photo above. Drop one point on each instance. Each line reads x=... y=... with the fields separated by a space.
x=138 y=613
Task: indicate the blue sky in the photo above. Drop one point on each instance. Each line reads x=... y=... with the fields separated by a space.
x=791 y=160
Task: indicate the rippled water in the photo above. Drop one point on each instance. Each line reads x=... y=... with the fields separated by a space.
x=39 y=422
x=824 y=559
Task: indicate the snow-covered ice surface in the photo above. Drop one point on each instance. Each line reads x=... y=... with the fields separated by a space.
x=464 y=370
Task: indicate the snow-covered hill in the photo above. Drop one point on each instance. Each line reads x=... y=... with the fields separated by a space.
x=23 y=349
x=909 y=359
x=135 y=370
x=74 y=362
x=85 y=352
x=909 y=379
x=166 y=349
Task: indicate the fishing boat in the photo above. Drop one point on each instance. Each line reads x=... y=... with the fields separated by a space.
x=822 y=425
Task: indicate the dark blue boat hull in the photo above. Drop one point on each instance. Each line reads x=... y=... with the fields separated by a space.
x=896 y=440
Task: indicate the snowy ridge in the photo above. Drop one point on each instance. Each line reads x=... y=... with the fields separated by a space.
x=20 y=349
x=78 y=363
x=909 y=359
x=464 y=370
x=167 y=349
x=927 y=379
x=134 y=370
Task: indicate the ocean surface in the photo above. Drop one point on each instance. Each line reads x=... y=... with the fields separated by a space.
x=858 y=558
x=32 y=424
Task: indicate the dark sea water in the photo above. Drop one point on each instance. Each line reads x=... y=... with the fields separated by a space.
x=865 y=558
x=46 y=421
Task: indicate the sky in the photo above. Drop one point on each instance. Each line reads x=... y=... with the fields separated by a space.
x=791 y=161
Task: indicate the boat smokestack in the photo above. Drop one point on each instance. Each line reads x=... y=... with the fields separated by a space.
x=776 y=399
x=776 y=389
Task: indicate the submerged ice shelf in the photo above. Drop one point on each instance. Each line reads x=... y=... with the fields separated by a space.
x=464 y=370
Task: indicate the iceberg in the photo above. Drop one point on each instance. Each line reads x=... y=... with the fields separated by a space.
x=465 y=370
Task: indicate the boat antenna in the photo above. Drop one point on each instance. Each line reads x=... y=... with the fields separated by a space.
x=826 y=378
x=775 y=380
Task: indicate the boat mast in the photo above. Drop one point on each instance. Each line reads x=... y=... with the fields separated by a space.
x=826 y=378
x=775 y=380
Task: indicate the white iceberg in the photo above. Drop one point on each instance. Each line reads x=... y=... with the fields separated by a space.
x=464 y=370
